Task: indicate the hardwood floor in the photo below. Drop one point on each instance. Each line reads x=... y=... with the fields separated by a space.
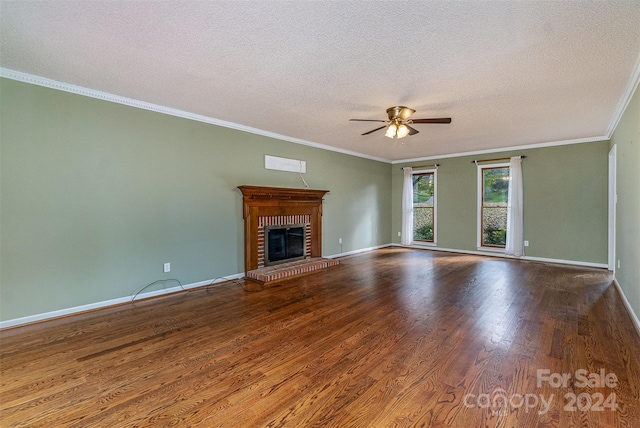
x=393 y=337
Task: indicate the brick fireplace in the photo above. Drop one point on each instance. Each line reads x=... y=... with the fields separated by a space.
x=266 y=223
x=277 y=206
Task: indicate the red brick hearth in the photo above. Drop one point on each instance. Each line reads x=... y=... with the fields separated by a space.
x=286 y=270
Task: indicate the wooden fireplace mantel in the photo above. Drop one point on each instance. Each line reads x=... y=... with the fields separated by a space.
x=279 y=201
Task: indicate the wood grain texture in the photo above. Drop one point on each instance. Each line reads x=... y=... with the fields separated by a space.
x=389 y=338
x=279 y=201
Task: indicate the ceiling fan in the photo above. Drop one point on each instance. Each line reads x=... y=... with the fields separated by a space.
x=398 y=123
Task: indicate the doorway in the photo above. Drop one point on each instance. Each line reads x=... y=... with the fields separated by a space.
x=613 y=200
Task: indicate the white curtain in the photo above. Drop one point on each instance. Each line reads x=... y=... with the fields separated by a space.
x=407 y=207
x=515 y=229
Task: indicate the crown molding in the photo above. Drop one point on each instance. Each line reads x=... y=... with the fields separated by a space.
x=625 y=99
x=507 y=149
x=105 y=96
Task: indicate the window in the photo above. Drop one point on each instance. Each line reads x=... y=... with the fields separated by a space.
x=493 y=193
x=424 y=203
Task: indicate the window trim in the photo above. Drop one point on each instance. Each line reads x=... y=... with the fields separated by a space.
x=480 y=196
x=434 y=171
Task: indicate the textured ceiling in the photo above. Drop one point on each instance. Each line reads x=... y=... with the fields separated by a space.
x=508 y=73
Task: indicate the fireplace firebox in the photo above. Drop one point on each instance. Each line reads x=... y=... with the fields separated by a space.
x=284 y=244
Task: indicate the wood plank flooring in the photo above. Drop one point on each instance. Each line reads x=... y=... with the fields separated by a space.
x=389 y=338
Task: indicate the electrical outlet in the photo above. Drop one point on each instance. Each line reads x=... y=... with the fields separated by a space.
x=399 y=234
x=618 y=263
x=526 y=243
x=339 y=240
x=166 y=267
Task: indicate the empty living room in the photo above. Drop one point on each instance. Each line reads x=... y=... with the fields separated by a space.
x=319 y=214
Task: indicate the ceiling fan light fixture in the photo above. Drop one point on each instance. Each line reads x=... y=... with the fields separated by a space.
x=402 y=131
x=391 y=131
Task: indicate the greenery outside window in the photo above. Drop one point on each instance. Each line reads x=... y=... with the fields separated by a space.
x=493 y=196
x=424 y=203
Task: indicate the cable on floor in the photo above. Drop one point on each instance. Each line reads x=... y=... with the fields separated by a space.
x=155 y=282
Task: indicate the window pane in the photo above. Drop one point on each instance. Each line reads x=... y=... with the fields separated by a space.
x=423 y=198
x=496 y=186
x=422 y=223
x=494 y=226
x=423 y=190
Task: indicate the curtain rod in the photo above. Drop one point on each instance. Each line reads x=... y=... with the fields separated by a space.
x=494 y=159
x=425 y=166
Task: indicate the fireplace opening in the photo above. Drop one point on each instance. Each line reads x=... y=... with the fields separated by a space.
x=284 y=243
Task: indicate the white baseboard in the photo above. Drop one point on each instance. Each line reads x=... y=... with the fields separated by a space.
x=112 y=302
x=628 y=307
x=118 y=301
x=362 y=250
x=127 y=299
x=563 y=262
x=494 y=254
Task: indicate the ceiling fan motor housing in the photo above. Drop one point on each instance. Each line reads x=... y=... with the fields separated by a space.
x=399 y=112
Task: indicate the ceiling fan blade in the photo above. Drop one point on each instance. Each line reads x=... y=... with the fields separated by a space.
x=374 y=130
x=366 y=120
x=412 y=131
x=438 y=120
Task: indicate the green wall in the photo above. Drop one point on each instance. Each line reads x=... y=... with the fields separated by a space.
x=565 y=201
x=626 y=138
x=96 y=196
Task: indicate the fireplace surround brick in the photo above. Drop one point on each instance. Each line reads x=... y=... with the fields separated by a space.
x=264 y=221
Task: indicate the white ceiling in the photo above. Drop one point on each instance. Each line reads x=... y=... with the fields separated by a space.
x=510 y=74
